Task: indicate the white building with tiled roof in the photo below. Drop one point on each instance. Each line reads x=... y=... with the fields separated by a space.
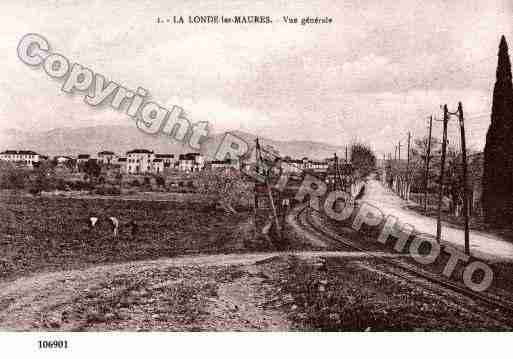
x=22 y=157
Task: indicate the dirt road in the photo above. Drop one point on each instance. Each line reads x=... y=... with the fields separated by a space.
x=482 y=245
x=124 y=296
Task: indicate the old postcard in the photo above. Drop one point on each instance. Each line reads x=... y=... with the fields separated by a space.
x=241 y=166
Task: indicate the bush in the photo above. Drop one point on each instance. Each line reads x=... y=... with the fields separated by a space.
x=228 y=188
x=61 y=185
x=34 y=191
x=80 y=186
x=161 y=182
x=12 y=177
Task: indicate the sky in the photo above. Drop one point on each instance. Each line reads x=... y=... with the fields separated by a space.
x=375 y=73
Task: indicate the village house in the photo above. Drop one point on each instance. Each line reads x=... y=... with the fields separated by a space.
x=139 y=161
x=293 y=166
x=62 y=160
x=82 y=158
x=106 y=158
x=22 y=158
x=191 y=162
x=64 y=164
x=121 y=162
x=158 y=165
x=217 y=165
x=168 y=160
x=317 y=166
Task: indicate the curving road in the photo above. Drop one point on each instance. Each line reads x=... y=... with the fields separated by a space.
x=482 y=245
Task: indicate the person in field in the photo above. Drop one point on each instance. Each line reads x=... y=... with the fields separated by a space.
x=115 y=225
x=92 y=222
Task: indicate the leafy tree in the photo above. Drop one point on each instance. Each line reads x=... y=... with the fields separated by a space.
x=5 y=169
x=362 y=159
x=44 y=177
x=92 y=169
x=12 y=177
x=161 y=182
x=498 y=154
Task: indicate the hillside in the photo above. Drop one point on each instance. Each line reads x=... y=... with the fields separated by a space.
x=71 y=141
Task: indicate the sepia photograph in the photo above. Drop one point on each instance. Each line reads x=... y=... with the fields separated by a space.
x=336 y=169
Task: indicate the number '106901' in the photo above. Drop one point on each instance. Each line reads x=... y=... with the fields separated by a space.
x=52 y=344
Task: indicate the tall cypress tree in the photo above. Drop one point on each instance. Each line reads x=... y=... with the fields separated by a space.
x=498 y=154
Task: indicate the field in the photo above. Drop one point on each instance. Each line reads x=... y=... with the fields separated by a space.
x=40 y=234
x=190 y=267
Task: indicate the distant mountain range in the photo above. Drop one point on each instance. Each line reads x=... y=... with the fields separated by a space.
x=119 y=139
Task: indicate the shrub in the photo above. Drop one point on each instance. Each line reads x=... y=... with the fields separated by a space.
x=161 y=182
x=80 y=186
x=61 y=185
x=34 y=191
x=12 y=177
x=228 y=188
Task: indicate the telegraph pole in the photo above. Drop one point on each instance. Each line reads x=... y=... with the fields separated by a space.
x=428 y=154
x=408 y=175
x=441 y=179
x=408 y=154
x=465 y=179
x=399 y=148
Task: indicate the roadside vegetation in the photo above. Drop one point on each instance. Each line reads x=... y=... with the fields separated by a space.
x=340 y=294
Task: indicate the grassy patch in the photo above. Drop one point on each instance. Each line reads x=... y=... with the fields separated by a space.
x=335 y=294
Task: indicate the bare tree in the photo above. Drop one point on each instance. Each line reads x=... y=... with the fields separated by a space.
x=227 y=187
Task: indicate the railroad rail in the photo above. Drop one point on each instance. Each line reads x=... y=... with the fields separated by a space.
x=499 y=309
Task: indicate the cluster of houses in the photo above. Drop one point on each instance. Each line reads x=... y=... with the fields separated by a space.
x=143 y=161
x=305 y=164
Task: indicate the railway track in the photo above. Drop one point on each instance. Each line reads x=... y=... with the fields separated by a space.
x=497 y=308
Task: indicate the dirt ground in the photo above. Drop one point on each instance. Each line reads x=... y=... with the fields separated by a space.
x=194 y=268
x=236 y=292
